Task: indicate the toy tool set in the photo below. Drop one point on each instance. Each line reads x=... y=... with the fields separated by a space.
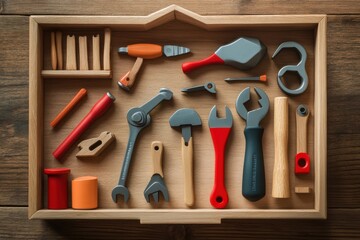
x=174 y=123
x=243 y=53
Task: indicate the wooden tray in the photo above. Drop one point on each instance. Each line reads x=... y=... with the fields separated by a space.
x=202 y=34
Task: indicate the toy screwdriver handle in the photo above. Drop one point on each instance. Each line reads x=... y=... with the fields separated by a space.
x=253 y=183
x=97 y=110
x=145 y=50
x=213 y=59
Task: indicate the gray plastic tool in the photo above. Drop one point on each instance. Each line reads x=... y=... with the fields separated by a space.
x=186 y=118
x=299 y=68
x=209 y=86
x=243 y=53
x=138 y=118
x=253 y=184
x=157 y=183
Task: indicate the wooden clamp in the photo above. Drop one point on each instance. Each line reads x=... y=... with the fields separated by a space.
x=94 y=146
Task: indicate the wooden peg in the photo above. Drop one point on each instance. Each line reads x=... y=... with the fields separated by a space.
x=53 y=51
x=70 y=53
x=83 y=55
x=107 y=43
x=94 y=146
x=302 y=190
x=96 y=52
x=59 y=54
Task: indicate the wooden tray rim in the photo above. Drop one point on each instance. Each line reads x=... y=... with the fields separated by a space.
x=38 y=23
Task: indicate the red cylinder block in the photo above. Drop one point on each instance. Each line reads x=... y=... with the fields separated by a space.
x=57 y=187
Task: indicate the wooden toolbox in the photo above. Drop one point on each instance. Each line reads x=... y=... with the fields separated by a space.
x=203 y=35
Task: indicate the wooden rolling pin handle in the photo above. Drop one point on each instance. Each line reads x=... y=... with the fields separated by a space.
x=281 y=182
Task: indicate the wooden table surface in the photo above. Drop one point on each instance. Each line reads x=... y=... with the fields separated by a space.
x=343 y=125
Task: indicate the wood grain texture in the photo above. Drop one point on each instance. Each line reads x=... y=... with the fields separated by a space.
x=213 y=7
x=343 y=131
x=341 y=224
x=14 y=105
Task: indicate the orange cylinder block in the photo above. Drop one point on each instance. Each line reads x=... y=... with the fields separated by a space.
x=85 y=192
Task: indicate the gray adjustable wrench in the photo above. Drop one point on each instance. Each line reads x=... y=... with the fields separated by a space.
x=299 y=68
x=138 y=118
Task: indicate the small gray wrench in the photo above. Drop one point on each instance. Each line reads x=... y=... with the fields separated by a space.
x=156 y=184
x=299 y=68
x=138 y=118
x=209 y=86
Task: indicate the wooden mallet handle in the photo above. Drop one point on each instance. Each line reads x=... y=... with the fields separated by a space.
x=281 y=182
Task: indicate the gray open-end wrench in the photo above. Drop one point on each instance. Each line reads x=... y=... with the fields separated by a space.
x=299 y=68
x=138 y=118
x=253 y=184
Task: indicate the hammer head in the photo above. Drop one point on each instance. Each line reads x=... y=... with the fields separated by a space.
x=243 y=53
x=185 y=118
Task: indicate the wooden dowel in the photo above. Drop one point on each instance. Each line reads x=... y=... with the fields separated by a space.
x=59 y=50
x=96 y=52
x=53 y=51
x=68 y=107
x=83 y=53
x=107 y=42
x=70 y=53
x=281 y=182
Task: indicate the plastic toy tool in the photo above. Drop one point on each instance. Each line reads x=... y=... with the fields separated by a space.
x=220 y=129
x=253 y=184
x=244 y=53
x=145 y=51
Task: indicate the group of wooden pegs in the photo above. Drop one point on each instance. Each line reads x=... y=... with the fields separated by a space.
x=71 y=63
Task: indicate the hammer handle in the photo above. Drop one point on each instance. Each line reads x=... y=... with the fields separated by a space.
x=129 y=78
x=187 y=156
x=281 y=182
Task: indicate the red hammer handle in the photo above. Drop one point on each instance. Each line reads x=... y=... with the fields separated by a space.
x=97 y=110
x=213 y=59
